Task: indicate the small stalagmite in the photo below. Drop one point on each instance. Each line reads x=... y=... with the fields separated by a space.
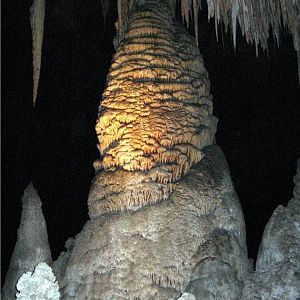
x=32 y=245
x=155 y=115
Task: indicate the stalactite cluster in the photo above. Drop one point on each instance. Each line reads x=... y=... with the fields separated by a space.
x=255 y=18
x=155 y=116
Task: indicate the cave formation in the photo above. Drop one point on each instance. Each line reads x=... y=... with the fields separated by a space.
x=156 y=135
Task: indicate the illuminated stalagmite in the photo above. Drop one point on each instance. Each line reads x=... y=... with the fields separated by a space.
x=165 y=218
x=156 y=131
x=156 y=114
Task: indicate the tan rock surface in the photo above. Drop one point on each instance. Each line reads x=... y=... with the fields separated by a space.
x=155 y=252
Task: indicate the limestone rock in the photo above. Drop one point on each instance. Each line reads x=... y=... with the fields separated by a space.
x=32 y=242
x=40 y=284
x=155 y=252
x=278 y=263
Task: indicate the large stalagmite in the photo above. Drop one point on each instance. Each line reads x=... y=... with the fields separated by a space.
x=156 y=113
x=32 y=243
x=154 y=129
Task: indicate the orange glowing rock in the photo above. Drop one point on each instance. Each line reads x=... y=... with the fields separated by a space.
x=156 y=114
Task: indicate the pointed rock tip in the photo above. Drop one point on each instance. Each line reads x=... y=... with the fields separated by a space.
x=31 y=195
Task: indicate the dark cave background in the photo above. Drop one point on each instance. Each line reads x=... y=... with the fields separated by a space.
x=256 y=99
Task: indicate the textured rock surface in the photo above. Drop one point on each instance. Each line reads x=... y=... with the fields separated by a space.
x=40 y=284
x=215 y=278
x=32 y=243
x=155 y=252
x=156 y=113
x=278 y=263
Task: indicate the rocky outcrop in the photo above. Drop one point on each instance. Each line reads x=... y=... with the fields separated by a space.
x=32 y=244
x=162 y=250
x=277 y=273
x=155 y=116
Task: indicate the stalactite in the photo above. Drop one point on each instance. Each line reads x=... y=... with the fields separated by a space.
x=234 y=12
x=196 y=6
x=186 y=6
x=37 y=16
x=105 y=7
